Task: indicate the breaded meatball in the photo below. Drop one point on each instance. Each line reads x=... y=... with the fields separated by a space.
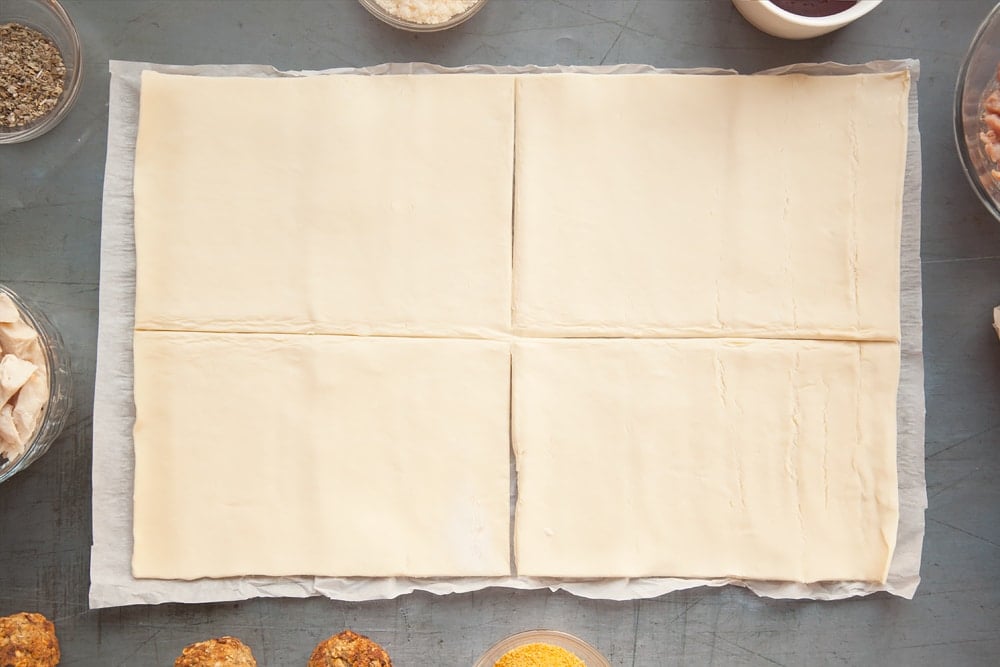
x=28 y=640
x=219 y=652
x=349 y=649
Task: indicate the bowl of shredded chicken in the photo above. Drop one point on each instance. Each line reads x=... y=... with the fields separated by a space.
x=35 y=383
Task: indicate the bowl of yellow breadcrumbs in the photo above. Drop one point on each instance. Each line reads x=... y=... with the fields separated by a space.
x=542 y=648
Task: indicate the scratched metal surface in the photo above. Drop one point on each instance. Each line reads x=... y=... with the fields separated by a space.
x=50 y=201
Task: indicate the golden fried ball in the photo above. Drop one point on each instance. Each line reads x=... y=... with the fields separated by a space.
x=349 y=649
x=218 y=652
x=28 y=640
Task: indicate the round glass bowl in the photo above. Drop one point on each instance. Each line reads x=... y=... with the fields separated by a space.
x=395 y=21
x=977 y=78
x=581 y=649
x=49 y=18
x=772 y=19
x=60 y=380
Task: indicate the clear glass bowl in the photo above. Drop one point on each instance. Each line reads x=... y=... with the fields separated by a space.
x=60 y=386
x=396 y=22
x=581 y=649
x=976 y=79
x=49 y=18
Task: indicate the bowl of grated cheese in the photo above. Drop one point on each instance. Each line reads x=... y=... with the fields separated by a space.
x=542 y=647
x=423 y=15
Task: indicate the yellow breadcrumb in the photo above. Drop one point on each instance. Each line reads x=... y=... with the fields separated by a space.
x=539 y=655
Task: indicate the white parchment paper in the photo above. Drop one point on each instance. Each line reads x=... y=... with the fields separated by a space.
x=111 y=579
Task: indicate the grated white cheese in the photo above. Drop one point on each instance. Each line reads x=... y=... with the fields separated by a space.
x=425 y=11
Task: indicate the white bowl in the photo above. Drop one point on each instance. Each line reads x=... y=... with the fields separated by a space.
x=766 y=16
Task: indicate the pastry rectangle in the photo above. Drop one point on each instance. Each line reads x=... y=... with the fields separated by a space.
x=768 y=460
x=288 y=455
x=675 y=206
x=328 y=204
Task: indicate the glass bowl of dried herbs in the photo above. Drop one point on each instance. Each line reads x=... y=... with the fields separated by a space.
x=41 y=68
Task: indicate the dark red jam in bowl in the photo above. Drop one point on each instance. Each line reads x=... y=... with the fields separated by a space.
x=815 y=7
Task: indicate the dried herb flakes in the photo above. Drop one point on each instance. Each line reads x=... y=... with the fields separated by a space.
x=32 y=75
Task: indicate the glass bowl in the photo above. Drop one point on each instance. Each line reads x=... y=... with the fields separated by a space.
x=49 y=18
x=60 y=380
x=590 y=656
x=977 y=77
x=380 y=12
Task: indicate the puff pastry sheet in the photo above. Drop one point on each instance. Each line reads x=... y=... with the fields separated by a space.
x=767 y=460
x=696 y=215
x=286 y=455
x=759 y=206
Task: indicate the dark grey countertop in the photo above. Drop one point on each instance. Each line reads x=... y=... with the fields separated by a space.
x=50 y=226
